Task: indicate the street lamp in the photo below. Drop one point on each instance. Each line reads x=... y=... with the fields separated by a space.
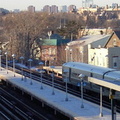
x=22 y=58
x=101 y=112
x=41 y=73
x=0 y=59
x=71 y=54
x=6 y=61
x=66 y=49
x=41 y=78
x=14 y=63
x=30 y=60
x=70 y=51
x=81 y=76
x=52 y=75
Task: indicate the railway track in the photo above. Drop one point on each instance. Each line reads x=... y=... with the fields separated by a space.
x=17 y=109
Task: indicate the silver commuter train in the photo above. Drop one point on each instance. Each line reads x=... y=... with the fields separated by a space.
x=72 y=70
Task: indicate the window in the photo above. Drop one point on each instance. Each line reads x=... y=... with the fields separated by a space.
x=115 y=61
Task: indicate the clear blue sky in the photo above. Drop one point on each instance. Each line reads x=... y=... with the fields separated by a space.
x=23 y=4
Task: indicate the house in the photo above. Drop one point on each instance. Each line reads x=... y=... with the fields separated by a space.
x=53 y=50
x=80 y=48
x=107 y=53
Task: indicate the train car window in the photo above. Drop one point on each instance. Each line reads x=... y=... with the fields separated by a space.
x=91 y=74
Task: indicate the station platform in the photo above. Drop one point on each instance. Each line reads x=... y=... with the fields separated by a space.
x=71 y=108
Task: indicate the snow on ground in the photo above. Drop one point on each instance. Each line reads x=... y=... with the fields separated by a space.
x=72 y=106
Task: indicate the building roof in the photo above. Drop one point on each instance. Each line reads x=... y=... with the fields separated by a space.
x=55 y=40
x=117 y=33
x=97 y=39
x=101 y=42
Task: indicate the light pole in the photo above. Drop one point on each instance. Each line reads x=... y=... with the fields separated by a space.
x=14 y=63
x=22 y=58
x=101 y=113
x=30 y=60
x=66 y=49
x=41 y=78
x=41 y=73
x=70 y=51
x=6 y=61
x=71 y=55
x=81 y=76
x=0 y=59
x=66 y=99
x=53 y=93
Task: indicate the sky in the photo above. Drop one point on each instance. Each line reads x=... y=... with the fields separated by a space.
x=23 y=4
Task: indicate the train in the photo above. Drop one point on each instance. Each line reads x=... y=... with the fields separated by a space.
x=71 y=72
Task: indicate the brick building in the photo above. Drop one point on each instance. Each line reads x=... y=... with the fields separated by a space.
x=53 y=50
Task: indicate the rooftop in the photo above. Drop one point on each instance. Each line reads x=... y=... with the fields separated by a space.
x=85 y=40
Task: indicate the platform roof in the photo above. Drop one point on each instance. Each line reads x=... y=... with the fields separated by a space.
x=111 y=84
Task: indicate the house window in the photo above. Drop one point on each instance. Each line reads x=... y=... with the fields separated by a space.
x=115 y=61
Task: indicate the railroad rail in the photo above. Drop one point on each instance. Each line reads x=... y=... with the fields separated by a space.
x=16 y=109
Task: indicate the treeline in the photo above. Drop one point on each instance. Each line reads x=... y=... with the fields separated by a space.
x=23 y=29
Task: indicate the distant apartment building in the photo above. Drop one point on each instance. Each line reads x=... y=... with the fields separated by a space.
x=72 y=8
x=50 y=9
x=54 y=9
x=31 y=8
x=63 y=8
x=47 y=8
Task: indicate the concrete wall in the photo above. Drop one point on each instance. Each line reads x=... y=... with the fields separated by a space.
x=114 y=57
x=98 y=57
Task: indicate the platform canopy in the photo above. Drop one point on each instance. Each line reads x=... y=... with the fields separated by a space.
x=112 y=84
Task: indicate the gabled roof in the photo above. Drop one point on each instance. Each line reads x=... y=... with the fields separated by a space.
x=114 y=32
x=101 y=42
x=117 y=33
x=95 y=40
